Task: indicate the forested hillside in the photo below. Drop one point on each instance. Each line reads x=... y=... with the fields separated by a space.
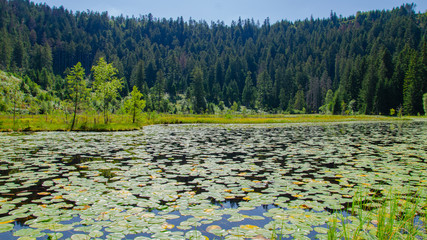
x=368 y=63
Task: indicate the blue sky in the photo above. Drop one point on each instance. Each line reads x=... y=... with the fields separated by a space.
x=228 y=10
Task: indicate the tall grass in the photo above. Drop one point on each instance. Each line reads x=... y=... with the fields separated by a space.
x=59 y=122
x=397 y=217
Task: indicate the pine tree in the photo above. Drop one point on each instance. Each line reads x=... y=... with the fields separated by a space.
x=5 y=50
x=233 y=93
x=382 y=89
x=248 y=95
x=265 y=91
x=18 y=54
x=313 y=94
x=150 y=74
x=412 y=87
x=199 y=101
x=367 y=92
x=299 y=103
x=138 y=76
x=425 y=103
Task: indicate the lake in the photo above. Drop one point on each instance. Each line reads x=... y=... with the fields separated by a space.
x=195 y=181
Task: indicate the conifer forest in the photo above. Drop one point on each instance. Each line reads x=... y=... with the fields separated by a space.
x=369 y=63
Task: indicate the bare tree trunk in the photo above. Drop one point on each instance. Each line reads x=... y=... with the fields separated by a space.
x=134 y=112
x=105 y=111
x=14 y=112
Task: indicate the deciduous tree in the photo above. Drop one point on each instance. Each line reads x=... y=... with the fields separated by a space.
x=134 y=104
x=106 y=85
x=77 y=86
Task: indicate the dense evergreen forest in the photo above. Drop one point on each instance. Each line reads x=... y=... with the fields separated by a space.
x=371 y=63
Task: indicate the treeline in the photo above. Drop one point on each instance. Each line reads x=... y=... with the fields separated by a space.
x=370 y=63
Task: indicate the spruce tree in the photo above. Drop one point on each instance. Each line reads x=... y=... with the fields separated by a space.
x=248 y=95
x=412 y=87
x=199 y=101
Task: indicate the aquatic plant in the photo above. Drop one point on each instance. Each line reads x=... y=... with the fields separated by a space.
x=251 y=181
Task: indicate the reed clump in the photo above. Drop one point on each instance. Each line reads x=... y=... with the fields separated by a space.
x=387 y=215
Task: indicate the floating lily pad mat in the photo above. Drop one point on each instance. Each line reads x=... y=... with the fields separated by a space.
x=198 y=181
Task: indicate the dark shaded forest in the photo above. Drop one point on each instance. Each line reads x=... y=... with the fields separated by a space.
x=370 y=63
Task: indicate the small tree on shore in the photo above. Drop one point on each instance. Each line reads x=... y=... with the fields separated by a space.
x=134 y=104
x=77 y=86
x=106 y=84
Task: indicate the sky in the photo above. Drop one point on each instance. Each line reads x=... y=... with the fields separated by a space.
x=229 y=10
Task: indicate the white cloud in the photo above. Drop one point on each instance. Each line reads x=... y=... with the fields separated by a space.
x=112 y=11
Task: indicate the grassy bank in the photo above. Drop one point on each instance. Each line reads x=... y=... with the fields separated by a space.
x=124 y=122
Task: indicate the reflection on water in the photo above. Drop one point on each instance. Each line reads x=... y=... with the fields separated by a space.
x=280 y=178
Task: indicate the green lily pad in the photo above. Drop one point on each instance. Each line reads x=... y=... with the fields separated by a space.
x=321 y=230
x=80 y=237
x=6 y=227
x=29 y=232
x=55 y=236
x=194 y=234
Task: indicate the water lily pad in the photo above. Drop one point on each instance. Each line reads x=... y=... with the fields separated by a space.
x=212 y=228
x=167 y=226
x=115 y=236
x=259 y=237
x=194 y=234
x=321 y=230
x=80 y=237
x=6 y=227
x=29 y=232
x=55 y=236
x=249 y=227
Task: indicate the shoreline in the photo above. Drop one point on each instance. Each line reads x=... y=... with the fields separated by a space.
x=41 y=123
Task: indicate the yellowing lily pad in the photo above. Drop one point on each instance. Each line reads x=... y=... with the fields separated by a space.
x=167 y=226
x=249 y=227
x=213 y=227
